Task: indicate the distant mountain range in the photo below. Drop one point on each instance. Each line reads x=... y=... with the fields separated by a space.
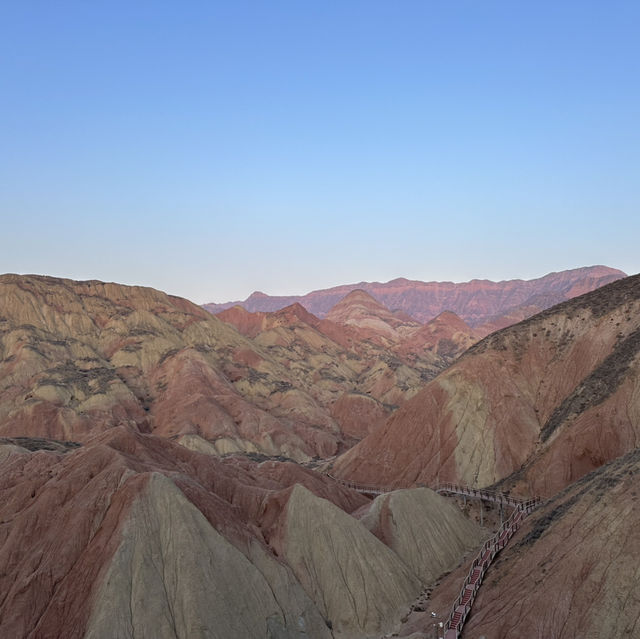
x=483 y=304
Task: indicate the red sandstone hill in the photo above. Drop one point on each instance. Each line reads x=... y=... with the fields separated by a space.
x=135 y=535
x=352 y=362
x=447 y=335
x=534 y=406
x=361 y=310
x=476 y=302
x=80 y=357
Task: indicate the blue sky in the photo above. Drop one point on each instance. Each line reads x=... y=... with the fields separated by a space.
x=211 y=149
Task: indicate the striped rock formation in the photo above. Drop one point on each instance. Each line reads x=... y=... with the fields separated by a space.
x=134 y=535
x=535 y=406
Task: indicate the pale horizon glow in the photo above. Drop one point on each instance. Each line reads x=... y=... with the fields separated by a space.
x=211 y=150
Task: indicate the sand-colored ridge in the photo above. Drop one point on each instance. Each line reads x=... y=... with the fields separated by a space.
x=361 y=585
x=427 y=531
x=170 y=577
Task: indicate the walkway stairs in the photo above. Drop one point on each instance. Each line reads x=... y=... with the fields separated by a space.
x=521 y=508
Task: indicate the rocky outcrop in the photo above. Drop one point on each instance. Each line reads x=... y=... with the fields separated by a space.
x=476 y=302
x=363 y=311
x=174 y=575
x=534 y=406
x=78 y=358
x=355 y=370
x=359 y=414
x=446 y=335
x=133 y=535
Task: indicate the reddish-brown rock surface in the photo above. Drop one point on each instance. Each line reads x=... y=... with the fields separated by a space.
x=361 y=310
x=140 y=532
x=355 y=362
x=571 y=572
x=476 y=302
x=134 y=535
x=534 y=406
x=81 y=357
x=447 y=335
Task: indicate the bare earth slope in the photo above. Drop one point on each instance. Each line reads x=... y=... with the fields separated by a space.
x=476 y=302
x=359 y=309
x=81 y=357
x=541 y=403
x=357 y=363
x=571 y=572
x=432 y=544
x=134 y=535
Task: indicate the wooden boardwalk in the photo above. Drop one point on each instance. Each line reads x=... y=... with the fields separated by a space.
x=521 y=508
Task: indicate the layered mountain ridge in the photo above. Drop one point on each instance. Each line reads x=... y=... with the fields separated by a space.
x=477 y=302
x=81 y=357
x=534 y=407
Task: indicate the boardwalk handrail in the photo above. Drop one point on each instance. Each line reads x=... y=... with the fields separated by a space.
x=474 y=493
x=462 y=605
x=361 y=488
x=521 y=508
x=481 y=493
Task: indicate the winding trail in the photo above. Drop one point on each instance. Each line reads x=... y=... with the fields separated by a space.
x=521 y=508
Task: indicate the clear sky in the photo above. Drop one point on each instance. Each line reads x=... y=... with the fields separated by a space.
x=210 y=149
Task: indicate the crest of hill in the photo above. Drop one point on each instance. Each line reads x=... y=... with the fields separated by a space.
x=251 y=324
x=447 y=334
x=359 y=303
x=78 y=358
x=363 y=311
x=477 y=302
x=124 y=499
x=535 y=406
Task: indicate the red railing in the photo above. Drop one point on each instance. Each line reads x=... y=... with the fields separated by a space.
x=462 y=606
x=521 y=508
